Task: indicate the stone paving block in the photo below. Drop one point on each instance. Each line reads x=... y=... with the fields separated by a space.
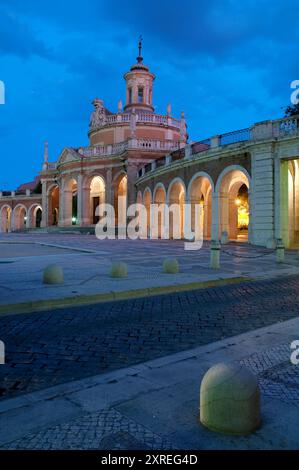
x=16 y=423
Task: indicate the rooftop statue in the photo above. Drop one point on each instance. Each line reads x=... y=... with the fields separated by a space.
x=98 y=116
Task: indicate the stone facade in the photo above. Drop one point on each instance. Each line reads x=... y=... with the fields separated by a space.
x=146 y=157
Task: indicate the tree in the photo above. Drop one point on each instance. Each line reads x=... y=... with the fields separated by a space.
x=292 y=110
x=38 y=188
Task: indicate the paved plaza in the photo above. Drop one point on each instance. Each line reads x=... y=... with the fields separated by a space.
x=126 y=374
x=155 y=405
x=47 y=348
x=86 y=262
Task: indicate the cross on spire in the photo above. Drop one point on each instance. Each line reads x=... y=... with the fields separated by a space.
x=140 y=58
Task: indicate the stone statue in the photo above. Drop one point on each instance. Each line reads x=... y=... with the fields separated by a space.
x=98 y=116
x=183 y=128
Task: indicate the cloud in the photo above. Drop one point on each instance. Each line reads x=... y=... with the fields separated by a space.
x=18 y=39
x=226 y=63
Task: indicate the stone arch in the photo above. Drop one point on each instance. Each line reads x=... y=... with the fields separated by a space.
x=35 y=215
x=199 y=191
x=139 y=198
x=147 y=194
x=93 y=194
x=176 y=194
x=5 y=219
x=147 y=201
x=159 y=198
x=229 y=169
x=292 y=237
x=70 y=201
x=173 y=182
x=159 y=190
x=232 y=208
x=19 y=217
x=53 y=196
x=119 y=186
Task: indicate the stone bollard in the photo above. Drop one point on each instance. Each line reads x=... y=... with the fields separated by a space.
x=119 y=270
x=279 y=251
x=215 y=254
x=170 y=266
x=53 y=274
x=224 y=238
x=230 y=400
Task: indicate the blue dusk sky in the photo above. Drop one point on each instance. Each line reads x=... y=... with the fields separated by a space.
x=227 y=64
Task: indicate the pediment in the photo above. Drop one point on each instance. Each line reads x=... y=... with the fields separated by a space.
x=68 y=155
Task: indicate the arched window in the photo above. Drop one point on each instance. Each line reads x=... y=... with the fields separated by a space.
x=130 y=95
x=140 y=94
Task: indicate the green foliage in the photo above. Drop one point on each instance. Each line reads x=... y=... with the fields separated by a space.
x=292 y=110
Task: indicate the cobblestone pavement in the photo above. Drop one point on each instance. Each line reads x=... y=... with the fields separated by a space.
x=111 y=430
x=107 y=430
x=47 y=348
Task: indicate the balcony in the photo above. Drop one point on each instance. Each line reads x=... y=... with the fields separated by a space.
x=130 y=144
x=276 y=129
x=144 y=118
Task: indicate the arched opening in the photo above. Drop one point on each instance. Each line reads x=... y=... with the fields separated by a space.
x=5 y=217
x=20 y=217
x=147 y=199
x=234 y=204
x=70 y=202
x=289 y=212
x=53 y=205
x=97 y=197
x=242 y=203
x=200 y=192
x=35 y=216
x=38 y=217
x=159 y=199
x=120 y=200
x=176 y=195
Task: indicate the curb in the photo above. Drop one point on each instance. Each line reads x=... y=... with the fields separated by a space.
x=25 y=414
x=40 y=305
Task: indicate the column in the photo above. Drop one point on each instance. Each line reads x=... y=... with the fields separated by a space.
x=61 y=221
x=215 y=217
x=233 y=219
x=131 y=190
x=108 y=187
x=45 y=207
x=281 y=201
x=79 y=200
x=223 y=212
x=262 y=203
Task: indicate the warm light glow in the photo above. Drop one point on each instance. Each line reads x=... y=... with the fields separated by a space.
x=243 y=218
x=238 y=201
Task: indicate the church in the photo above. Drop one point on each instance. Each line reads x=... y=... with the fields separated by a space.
x=247 y=181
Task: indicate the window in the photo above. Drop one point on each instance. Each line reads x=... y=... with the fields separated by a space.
x=130 y=95
x=140 y=95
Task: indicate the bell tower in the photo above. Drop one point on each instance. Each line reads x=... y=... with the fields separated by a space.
x=139 y=86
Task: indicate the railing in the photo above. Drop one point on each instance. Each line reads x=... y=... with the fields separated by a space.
x=152 y=144
x=201 y=146
x=235 y=136
x=262 y=130
x=130 y=144
x=152 y=118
